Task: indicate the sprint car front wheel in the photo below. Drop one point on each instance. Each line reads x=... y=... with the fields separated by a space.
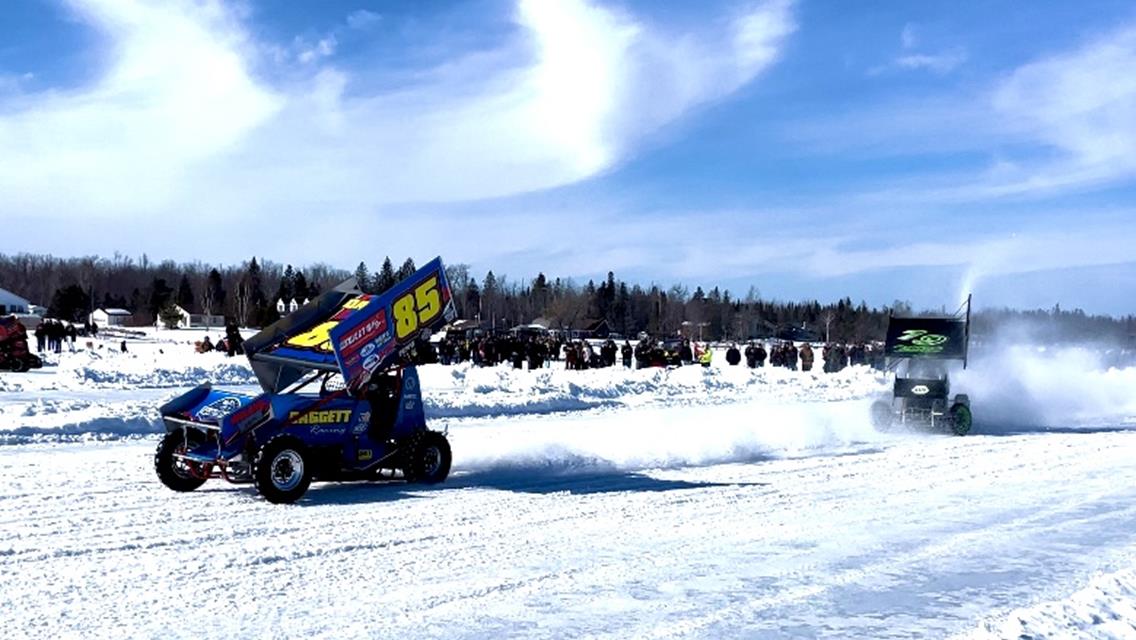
x=282 y=470
x=176 y=472
x=428 y=460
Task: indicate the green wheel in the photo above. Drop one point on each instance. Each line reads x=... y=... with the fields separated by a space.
x=961 y=419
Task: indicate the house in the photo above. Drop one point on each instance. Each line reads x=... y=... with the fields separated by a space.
x=197 y=320
x=112 y=317
x=590 y=329
x=463 y=328
x=288 y=306
x=12 y=303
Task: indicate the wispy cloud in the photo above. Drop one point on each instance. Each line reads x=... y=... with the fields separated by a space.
x=179 y=117
x=1078 y=109
x=1062 y=124
x=309 y=52
x=943 y=62
x=362 y=19
x=908 y=37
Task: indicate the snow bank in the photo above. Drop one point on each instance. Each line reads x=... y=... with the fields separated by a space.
x=466 y=391
x=114 y=394
x=1106 y=608
x=150 y=368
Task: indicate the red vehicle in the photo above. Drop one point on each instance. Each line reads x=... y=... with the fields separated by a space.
x=14 y=353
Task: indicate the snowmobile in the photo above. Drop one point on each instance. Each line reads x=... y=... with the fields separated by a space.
x=919 y=350
x=14 y=353
x=340 y=400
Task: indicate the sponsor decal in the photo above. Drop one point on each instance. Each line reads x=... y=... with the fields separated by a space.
x=319 y=429
x=920 y=341
x=364 y=422
x=920 y=390
x=250 y=415
x=370 y=363
x=410 y=383
x=329 y=416
x=367 y=350
x=366 y=454
x=409 y=405
x=218 y=409
x=373 y=326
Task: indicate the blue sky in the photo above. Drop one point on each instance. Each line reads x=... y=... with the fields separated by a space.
x=882 y=151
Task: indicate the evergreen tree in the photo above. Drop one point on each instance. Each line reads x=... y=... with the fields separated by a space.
x=540 y=294
x=69 y=303
x=185 y=294
x=286 y=291
x=489 y=295
x=252 y=303
x=169 y=315
x=213 y=300
x=405 y=271
x=160 y=294
x=300 y=287
x=386 y=278
x=472 y=299
x=363 y=278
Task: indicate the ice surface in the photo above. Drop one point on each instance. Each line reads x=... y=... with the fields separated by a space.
x=699 y=503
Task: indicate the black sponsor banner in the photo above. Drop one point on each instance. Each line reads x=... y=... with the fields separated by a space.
x=926 y=338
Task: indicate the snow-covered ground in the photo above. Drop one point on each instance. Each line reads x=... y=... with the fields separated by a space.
x=611 y=503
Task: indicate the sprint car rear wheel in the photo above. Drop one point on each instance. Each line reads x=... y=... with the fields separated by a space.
x=18 y=365
x=961 y=419
x=428 y=460
x=881 y=414
x=282 y=470
x=176 y=473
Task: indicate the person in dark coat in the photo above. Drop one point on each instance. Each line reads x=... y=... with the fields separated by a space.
x=626 y=352
x=232 y=335
x=685 y=354
x=806 y=357
x=760 y=355
x=733 y=356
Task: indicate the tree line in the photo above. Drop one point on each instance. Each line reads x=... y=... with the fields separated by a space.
x=248 y=293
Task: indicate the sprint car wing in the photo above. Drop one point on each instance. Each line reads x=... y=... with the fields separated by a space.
x=347 y=331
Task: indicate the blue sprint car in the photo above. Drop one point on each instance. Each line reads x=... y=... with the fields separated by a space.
x=338 y=400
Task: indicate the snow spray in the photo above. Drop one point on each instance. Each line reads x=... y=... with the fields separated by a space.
x=1022 y=385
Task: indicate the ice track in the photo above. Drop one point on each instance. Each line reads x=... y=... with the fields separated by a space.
x=570 y=531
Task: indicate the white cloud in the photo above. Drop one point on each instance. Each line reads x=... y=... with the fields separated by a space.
x=1062 y=124
x=939 y=63
x=177 y=93
x=908 y=37
x=178 y=125
x=308 y=53
x=1081 y=107
x=362 y=19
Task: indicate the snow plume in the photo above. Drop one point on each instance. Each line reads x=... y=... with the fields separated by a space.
x=1021 y=385
x=660 y=438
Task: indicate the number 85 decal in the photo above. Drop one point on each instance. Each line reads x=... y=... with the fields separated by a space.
x=416 y=308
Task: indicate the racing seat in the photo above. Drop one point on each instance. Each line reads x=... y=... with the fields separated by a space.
x=381 y=394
